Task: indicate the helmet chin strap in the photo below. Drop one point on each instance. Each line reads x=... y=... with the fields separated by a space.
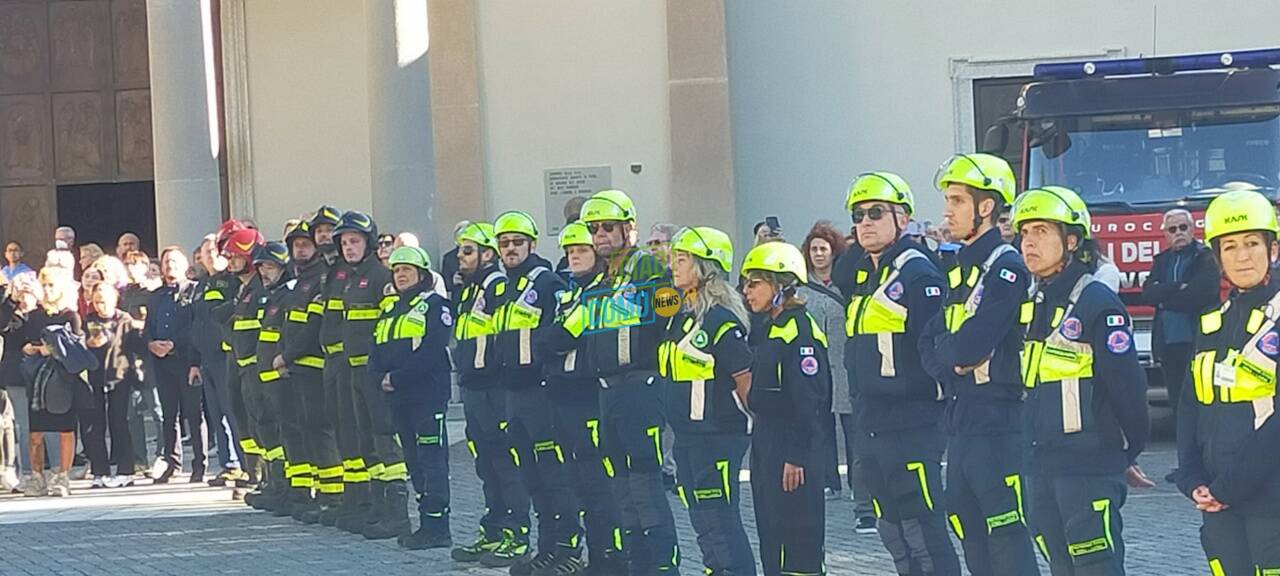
x=897 y=230
x=1066 y=248
x=977 y=219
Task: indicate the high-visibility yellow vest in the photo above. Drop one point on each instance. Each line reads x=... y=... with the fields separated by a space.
x=960 y=312
x=1060 y=361
x=878 y=314
x=411 y=325
x=475 y=322
x=1241 y=375
x=521 y=314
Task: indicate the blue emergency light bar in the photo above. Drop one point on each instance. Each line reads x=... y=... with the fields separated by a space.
x=1160 y=65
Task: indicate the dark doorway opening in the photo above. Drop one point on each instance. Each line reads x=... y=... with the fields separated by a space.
x=100 y=213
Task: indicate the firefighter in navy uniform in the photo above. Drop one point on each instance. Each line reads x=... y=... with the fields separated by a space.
x=1228 y=434
x=976 y=345
x=339 y=403
x=790 y=392
x=527 y=311
x=209 y=360
x=505 y=524
x=240 y=319
x=705 y=362
x=1085 y=415
x=369 y=290
x=274 y=418
x=623 y=349
x=410 y=361
x=574 y=393
x=301 y=357
x=897 y=290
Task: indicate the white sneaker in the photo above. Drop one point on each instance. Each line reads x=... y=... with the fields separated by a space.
x=99 y=482
x=118 y=481
x=159 y=468
x=8 y=479
x=60 y=486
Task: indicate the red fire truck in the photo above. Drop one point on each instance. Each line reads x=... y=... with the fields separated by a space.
x=1137 y=137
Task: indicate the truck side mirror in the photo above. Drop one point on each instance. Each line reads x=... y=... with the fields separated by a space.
x=996 y=139
x=1057 y=143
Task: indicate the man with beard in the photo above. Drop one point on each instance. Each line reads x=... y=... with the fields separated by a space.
x=504 y=529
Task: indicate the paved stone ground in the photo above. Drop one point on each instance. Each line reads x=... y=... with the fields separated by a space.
x=180 y=529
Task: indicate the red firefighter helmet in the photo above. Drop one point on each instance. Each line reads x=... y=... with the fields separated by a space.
x=242 y=242
x=224 y=232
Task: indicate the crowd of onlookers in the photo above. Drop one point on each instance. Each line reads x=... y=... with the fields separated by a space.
x=56 y=416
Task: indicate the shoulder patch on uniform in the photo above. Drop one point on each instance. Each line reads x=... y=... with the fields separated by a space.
x=1119 y=341
x=809 y=365
x=531 y=296
x=894 y=290
x=388 y=289
x=1269 y=343
x=806 y=350
x=1115 y=320
x=699 y=338
x=341 y=275
x=363 y=283
x=1072 y=328
x=1008 y=275
x=446 y=317
x=932 y=291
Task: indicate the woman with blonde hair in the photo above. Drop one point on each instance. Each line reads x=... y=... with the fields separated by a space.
x=116 y=341
x=90 y=253
x=706 y=362
x=57 y=307
x=113 y=271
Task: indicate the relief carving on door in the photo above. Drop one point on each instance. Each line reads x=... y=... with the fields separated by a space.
x=24 y=139
x=78 y=136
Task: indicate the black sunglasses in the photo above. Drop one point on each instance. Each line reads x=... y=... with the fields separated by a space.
x=386 y=242
x=517 y=242
x=1177 y=228
x=874 y=213
x=467 y=250
x=596 y=226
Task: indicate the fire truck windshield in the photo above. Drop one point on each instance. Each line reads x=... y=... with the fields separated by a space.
x=1147 y=158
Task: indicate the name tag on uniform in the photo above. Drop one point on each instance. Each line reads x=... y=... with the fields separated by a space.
x=1224 y=375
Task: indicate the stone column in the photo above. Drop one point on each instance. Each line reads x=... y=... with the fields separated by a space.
x=183 y=121
x=235 y=102
x=702 y=186
x=402 y=158
x=455 y=114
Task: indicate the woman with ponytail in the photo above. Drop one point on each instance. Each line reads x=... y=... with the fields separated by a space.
x=790 y=397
